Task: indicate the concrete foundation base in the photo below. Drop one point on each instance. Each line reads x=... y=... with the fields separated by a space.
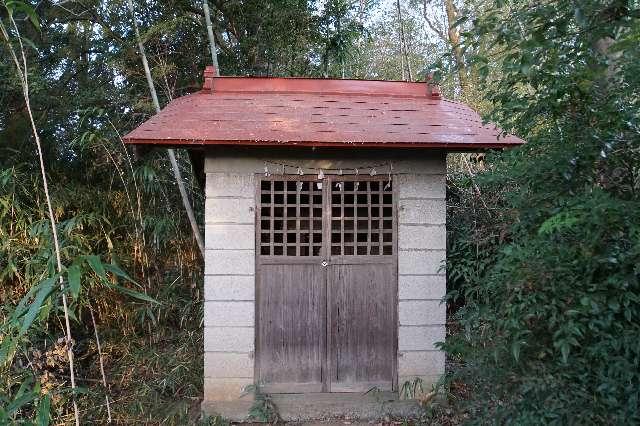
x=318 y=406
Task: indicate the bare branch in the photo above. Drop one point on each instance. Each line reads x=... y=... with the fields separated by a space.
x=438 y=31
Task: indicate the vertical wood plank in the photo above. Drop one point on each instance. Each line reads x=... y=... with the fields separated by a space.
x=363 y=322
x=291 y=326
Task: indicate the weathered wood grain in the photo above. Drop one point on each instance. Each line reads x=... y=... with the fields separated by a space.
x=291 y=326
x=362 y=312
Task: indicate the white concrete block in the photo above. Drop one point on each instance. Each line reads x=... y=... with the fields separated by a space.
x=421 y=186
x=229 y=314
x=421 y=363
x=422 y=237
x=413 y=262
x=230 y=185
x=432 y=287
x=421 y=312
x=228 y=339
x=229 y=262
x=229 y=287
x=420 y=338
x=230 y=236
x=431 y=211
x=227 y=389
x=229 y=210
x=220 y=365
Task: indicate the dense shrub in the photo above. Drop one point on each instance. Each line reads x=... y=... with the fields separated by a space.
x=148 y=318
x=544 y=246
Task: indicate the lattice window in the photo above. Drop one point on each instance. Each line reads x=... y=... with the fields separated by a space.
x=290 y=221
x=361 y=218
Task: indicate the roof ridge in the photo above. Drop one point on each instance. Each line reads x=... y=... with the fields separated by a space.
x=215 y=83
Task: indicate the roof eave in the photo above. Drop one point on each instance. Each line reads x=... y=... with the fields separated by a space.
x=455 y=146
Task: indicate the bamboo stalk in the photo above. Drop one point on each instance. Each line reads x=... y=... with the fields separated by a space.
x=104 y=377
x=212 y=41
x=172 y=156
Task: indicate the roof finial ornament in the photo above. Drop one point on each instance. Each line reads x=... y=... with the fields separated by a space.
x=433 y=90
x=209 y=74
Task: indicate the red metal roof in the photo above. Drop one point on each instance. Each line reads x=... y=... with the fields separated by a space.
x=250 y=111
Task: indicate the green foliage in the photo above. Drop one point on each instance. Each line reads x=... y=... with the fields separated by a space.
x=543 y=263
x=11 y=405
x=263 y=409
x=339 y=29
x=31 y=304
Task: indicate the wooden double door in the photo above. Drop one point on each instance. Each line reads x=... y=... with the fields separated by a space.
x=326 y=285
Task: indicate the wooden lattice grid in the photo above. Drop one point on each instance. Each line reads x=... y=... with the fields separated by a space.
x=290 y=218
x=359 y=213
x=361 y=218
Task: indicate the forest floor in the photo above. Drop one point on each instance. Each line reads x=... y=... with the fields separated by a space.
x=156 y=378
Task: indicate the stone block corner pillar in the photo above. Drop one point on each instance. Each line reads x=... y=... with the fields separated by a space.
x=421 y=277
x=229 y=290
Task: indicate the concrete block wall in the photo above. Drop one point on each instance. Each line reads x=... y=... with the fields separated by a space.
x=421 y=277
x=230 y=261
x=229 y=286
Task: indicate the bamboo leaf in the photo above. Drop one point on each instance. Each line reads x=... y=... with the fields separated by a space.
x=80 y=390
x=44 y=411
x=564 y=349
x=73 y=275
x=116 y=270
x=44 y=292
x=30 y=43
x=135 y=294
x=21 y=309
x=22 y=398
x=15 y=5
x=19 y=403
x=96 y=264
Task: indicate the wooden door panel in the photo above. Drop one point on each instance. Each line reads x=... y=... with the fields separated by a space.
x=291 y=327
x=362 y=317
x=326 y=284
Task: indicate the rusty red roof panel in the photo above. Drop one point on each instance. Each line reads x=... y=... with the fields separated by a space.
x=318 y=112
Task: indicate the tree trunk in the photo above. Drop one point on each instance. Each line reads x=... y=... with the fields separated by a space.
x=403 y=44
x=172 y=157
x=454 y=39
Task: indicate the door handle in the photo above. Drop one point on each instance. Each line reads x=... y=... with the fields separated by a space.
x=324 y=263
